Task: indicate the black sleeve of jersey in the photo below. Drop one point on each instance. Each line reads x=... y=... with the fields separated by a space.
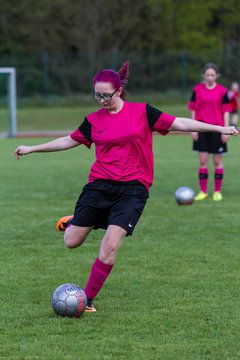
x=86 y=129
x=193 y=97
x=225 y=99
x=153 y=115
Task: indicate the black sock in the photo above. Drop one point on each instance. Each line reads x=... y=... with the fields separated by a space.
x=89 y=302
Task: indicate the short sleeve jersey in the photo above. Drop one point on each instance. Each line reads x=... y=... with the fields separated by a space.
x=123 y=141
x=210 y=104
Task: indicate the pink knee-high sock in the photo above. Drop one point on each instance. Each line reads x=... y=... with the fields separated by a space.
x=218 y=179
x=203 y=179
x=98 y=275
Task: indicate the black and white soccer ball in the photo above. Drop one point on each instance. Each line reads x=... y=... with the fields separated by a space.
x=184 y=195
x=69 y=300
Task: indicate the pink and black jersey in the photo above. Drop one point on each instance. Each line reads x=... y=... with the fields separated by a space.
x=210 y=104
x=123 y=141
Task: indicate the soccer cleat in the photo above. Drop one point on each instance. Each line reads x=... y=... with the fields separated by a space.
x=90 y=309
x=63 y=223
x=217 y=196
x=200 y=196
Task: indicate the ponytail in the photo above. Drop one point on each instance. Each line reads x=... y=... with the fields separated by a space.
x=123 y=74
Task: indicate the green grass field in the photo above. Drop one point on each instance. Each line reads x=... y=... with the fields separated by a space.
x=175 y=290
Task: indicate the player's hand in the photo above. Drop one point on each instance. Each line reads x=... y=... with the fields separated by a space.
x=195 y=136
x=22 y=150
x=229 y=130
x=224 y=138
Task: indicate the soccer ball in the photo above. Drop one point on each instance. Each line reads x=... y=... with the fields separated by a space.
x=69 y=300
x=184 y=195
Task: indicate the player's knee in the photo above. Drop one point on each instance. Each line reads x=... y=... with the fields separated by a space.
x=69 y=243
x=218 y=163
x=72 y=242
x=109 y=251
x=204 y=163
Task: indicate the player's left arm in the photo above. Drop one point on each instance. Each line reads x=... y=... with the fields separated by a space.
x=225 y=108
x=189 y=125
x=226 y=116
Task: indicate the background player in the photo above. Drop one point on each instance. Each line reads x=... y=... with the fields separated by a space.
x=210 y=104
x=122 y=174
x=233 y=95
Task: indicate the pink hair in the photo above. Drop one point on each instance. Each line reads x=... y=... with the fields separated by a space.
x=116 y=78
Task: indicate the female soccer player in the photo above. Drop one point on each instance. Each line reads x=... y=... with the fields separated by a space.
x=119 y=180
x=210 y=104
x=233 y=95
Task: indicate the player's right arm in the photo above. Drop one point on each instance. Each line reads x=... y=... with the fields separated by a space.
x=63 y=143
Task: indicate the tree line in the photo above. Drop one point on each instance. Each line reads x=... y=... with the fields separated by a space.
x=92 y=26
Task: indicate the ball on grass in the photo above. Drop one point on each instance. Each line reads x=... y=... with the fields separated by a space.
x=184 y=195
x=69 y=300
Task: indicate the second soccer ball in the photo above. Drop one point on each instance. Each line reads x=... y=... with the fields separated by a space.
x=184 y=195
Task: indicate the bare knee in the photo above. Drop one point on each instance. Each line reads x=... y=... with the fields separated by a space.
x=108 y=252
x=217 y=159
x=75 y=236
x=111 y=243
x=71 y=242
x=203 y=159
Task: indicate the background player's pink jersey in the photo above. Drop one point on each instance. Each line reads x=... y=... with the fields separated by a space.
x=210 y=104
x=123 y=141
x=234 y=99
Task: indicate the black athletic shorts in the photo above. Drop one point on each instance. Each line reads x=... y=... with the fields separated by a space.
x=105 y=202
x=210 y=142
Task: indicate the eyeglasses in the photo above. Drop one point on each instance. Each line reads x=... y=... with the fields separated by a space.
x=105 y=97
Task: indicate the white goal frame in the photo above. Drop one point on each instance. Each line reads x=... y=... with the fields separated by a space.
x=11 y=99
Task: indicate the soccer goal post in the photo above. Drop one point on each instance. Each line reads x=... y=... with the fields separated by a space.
x=11 y=100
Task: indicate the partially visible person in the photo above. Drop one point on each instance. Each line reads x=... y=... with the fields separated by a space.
x=233 y=95
x=210 y=104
